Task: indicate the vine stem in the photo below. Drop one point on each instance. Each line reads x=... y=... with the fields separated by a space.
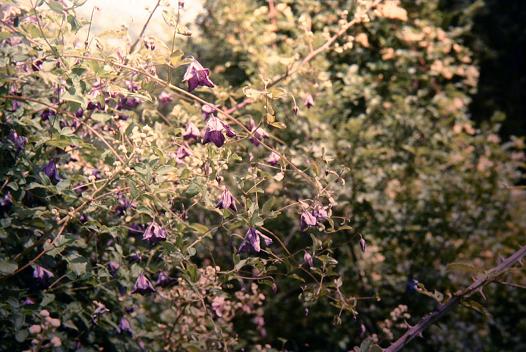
x=489 y=277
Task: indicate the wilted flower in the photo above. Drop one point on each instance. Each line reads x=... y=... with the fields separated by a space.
x=154 y=233
x=309 y=101
x=100 y=310
x=50 y=170
x=196 y=75
x=208 y=111
x=214 y=132
x=165 y=98
x=182 y=153
x=125 y=327
x=113 y=267
x=191 y=132
x=273 y=159
x=41 y=274
x=252 y=241
x=163 y=279
x=227 y=201
x=18 y=141
x=258 y=133
x=142 y=285
x=307 y=220
x=307 y=257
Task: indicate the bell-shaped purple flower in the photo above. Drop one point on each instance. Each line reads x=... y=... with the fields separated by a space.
x=227 y=201
x=252 y=241
x=208 y=110
x=28 y=301
x=154 y=233
x=307 y=220
x=46 y=114
x=191 y=132
x=50 y=170
x=273 y=159
x=164 y=280
x=196 y=75
x=128 y=103
x=320 y=212
x=94 y=106
x=258 y=133
x=42 y=275
x=363 y=245
x=309 y=101
x=123 y=204
x=307 y=258
x=142 y=285
x=214 y=132
x=230 y=133
x=125 y=327
x=18 y=141
x=132 y=86
x=113 y=267
x=79 y=113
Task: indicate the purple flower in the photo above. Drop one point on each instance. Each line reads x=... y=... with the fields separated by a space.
x=96 y=173
x=208 y=110
x=214 y=132
x=123 y=204
x=125 y=327
x=252 y=241
x=15 y=105
x=92 y=106
x=28 y=301
x=83 y=218
x=142 y=285
x=309 y=101
x=18 y=141
x=128 y=103
x=149 y=44
x=165 y=98
x=363 y=245
x=196 y=75
x=99 y=311
x=295 y=109
x=132 y=86
x=273 y=159
x=307 y=257
x=41 y=274
x=37 y=65
x=227 y=201
x=257 y=133
x=191 y=132
x=320 y=212
x=163 y=280
x=154 y=233
x=46 y=114
x=79 y=113
x=51 y=171
x=135 y=257
x=6 y=202
x=229 y=131
x=182 y=153
x=307 y=220
x=113 y=267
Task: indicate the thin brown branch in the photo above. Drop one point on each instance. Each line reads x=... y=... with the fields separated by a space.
x=134 y=45
x=443 y=309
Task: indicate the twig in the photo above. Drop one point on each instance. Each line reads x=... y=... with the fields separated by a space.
x=132 y=48
x=443 y=309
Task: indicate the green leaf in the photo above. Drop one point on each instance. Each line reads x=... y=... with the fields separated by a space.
x=7 y=268
x=78 y=264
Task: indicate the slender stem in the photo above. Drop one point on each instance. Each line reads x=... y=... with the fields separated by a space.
x=134 y=45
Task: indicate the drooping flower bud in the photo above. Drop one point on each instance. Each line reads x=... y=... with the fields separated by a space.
x=191 y=132
x=309 y=101
x=50 y=170
x=142 y=285
x=125 y=327
x=252 y=241
x=227 y=201
x=196 y=75
x=214 y=132
x=362 y=244
x=42 y=275
x=307 y=258
x=154 y=233
x=273 y=159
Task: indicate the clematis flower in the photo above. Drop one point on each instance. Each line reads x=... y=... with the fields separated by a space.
x=154 y=233
x=307 y=258
x=309 y=101
x=227 y=201
x=196 y=75
x=79 y=113
x=94 y=106
x=163 y=279
x=46 y=114
x=51 y=171
x=252 y=241
x=320 y=212
x=42 y=275
x=363 y=245
x=135 y=257
x=307 y=220
x=273 y=159
x=214 y=132
x=142 y=285
x=125 y=327
x=208 y=111
x=230 y=133
x=28 y=301
x=18 y=141
x=123 y=204
x=258 y=133
x=113 y=267
x=128 y=103
x=191 y=132
x=165 y=98
x=99 y=311
x=132 y=86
